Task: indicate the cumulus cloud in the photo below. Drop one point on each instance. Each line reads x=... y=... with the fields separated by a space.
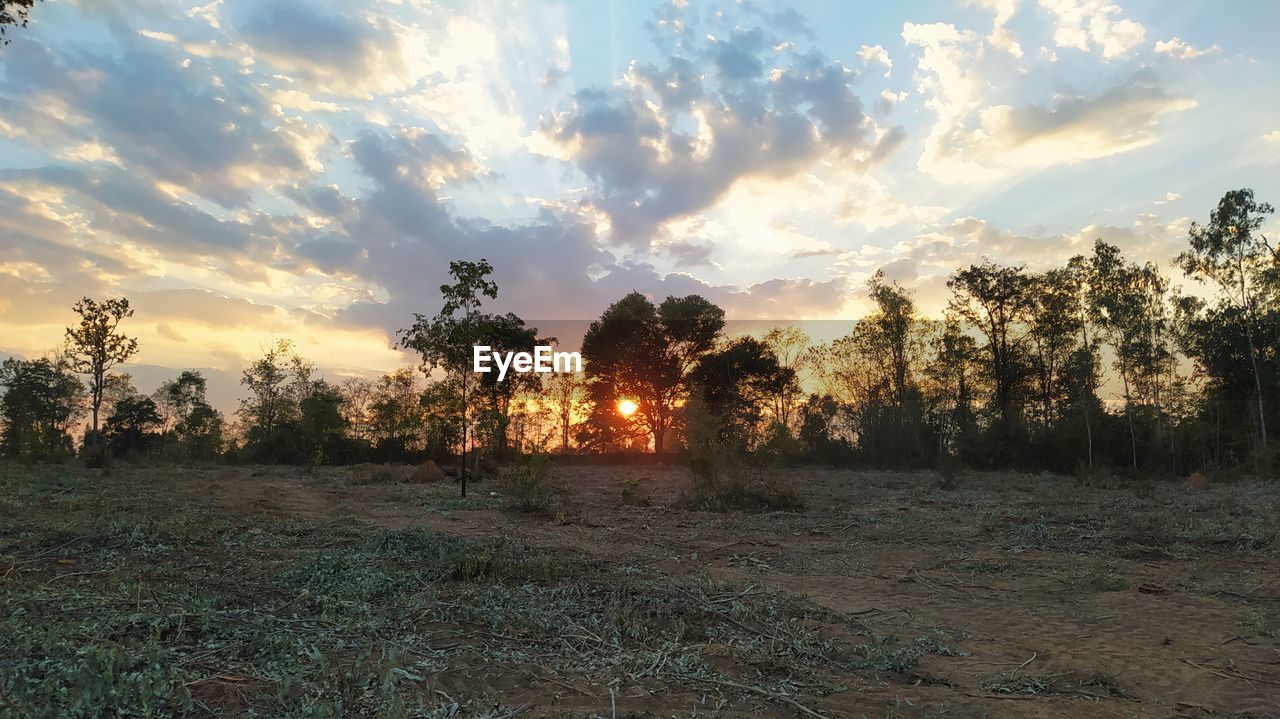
x=876 y=55
x=1175 y=47
x=974 y=139
x=187 y=125
x=1000 y=36
x=668 y=141
x=1085 y=24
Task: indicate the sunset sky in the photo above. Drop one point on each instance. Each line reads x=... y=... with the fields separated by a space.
x=244 y=170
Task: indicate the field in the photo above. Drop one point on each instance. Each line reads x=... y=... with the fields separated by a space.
x=335 y=592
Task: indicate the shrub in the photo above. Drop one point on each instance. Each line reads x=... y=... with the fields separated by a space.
x=528 y=485
x=721 y=482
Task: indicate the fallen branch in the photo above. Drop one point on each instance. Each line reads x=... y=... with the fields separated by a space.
x=773 y=696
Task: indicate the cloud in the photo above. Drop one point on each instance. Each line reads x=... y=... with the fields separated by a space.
x=668 y=141
x=691 y=254
x=876 y=55
x=1000 y=36
x=1083 y=24
x=1175 y=47
x=338 y=53
x=227 y=144
x=973 y=140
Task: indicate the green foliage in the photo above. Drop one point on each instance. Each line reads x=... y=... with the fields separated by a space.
x=528 y=486
x=40 y=401
x=721 y=481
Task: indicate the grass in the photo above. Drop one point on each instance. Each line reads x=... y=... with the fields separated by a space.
x=137 y=594
x=122 y=600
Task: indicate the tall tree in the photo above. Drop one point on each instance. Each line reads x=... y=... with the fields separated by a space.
x=96 y=345
x=1232 y=253
x=1129 y=303
x=565 y=394
x=996 y=300
x=446 y=340
x=1054 y=320
x=790 y=345
x=952 y=371
x=644 y=353
x=1084 y=367
x=736 y=382
x=270 y=403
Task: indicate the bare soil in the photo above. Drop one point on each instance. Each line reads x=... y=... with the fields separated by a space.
x=1008 y=596
x=1071 y=600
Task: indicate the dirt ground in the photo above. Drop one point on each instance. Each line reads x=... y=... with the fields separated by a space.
x=1068 y=600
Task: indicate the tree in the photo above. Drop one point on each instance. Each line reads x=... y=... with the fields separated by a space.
x=644 y=353
x=357 y=394
x=41 y=400
x=953 y=371
x=446 y=340
x=1055 y=326
x=269 y=404
x=790 y=345
x=1128 y=302
x=395 y=413
x=504 y=333
x=1084 y=369
x=186 y=415
x=564 y=392
x=129 y=426
x=96 y=345
x=321 y=425
x=1232 y=252
x=13 y=13
x=996 y=301
x=873 y=371
x=736 y=382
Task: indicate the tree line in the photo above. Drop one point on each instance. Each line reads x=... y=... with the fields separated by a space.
x=1011 y=376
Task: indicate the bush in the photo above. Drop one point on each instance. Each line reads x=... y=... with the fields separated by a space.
x=528 y=485
x=721 y=482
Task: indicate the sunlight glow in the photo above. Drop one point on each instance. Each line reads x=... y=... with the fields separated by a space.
x=627 y=407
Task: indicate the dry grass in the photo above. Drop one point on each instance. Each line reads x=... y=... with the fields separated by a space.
x=349 y=592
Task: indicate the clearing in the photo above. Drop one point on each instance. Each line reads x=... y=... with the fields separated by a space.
x=264 y=591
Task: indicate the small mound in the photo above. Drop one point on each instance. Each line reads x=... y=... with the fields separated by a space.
x=427 y=473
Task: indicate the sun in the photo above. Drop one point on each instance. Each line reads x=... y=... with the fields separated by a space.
x=627 y=407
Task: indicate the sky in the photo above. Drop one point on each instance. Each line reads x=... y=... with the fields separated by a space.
x=248 y=170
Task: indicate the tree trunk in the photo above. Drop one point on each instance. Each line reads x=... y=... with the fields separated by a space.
x=1128 y=414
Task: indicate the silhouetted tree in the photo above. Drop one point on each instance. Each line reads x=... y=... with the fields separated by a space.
x=644 y=353
x=13 y=13
x=96 y=345
x=735 y=384
x=129 y=428
x=1232 y=253
x=41 y=399
x=446 y=340
x=396 y=414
